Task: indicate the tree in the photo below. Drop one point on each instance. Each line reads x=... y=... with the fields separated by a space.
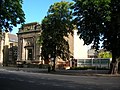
x=113 y=37
x=56 y=26
x=104 y=54
x=99 y=20
x=11 y=14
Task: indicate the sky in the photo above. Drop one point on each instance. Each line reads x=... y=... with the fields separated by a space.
x=35 y=10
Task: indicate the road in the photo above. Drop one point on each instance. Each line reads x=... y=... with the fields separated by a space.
x=19 y=80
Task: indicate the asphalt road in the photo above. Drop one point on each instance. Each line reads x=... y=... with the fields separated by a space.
x=19 y=80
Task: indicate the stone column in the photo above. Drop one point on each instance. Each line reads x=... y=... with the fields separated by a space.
x=23 y=50
x=20 y=44
x=1 y=51
x=25 y=54
x=34 y=49
x=19 y=48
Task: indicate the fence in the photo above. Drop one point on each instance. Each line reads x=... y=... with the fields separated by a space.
x=97 y=62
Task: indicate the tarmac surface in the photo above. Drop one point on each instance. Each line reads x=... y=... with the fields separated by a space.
x=65 y=72
x=39 y=79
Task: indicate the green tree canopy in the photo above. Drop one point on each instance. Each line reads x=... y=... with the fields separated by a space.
x=99 y=20
x=104 y=54
x=11 y=14
x=91 y=18
x=56 y=26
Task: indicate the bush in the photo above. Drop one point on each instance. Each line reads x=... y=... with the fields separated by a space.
x=86 y=68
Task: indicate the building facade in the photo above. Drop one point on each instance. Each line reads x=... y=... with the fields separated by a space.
x=80 y=50
x=30 y=51
x=28 y=48
x=8 y=48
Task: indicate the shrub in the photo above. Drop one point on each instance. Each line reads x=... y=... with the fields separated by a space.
x=89 y=67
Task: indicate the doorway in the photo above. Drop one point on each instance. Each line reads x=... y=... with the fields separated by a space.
x=30 y=55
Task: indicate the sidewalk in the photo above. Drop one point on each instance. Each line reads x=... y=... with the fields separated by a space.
x=65 y=72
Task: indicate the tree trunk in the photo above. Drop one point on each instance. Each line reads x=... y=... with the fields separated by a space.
x=49 y=68
x=119 y=66
x=114 y=64
x=5 y=55
x=114 y=30
x=53 y=67
x=114 y=69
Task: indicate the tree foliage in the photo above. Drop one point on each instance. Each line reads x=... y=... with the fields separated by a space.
x=11 y=14
x=56 y=26
x=112 y=35
x=99 y=20
x=105 y=54
x=91 y=18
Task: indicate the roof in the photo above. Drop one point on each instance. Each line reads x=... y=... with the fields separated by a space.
x=29 y=24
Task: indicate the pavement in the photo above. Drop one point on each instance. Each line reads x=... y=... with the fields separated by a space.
x=65 y=72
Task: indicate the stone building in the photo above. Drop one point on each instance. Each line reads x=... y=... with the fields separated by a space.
x=30 y=51
x=28 y=48
x=13 y=48
x=8 y=48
